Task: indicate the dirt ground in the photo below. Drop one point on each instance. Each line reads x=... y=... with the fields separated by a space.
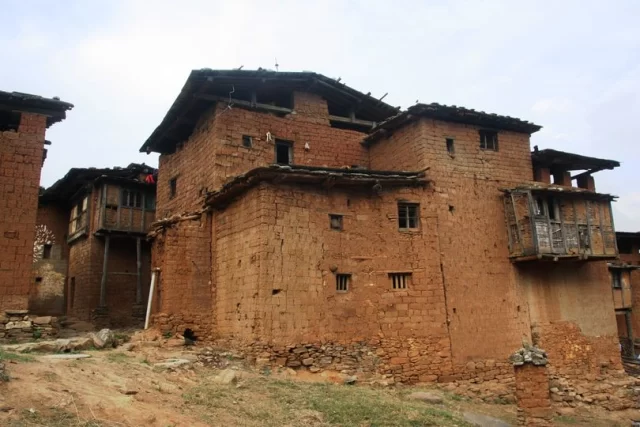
x=212 y=387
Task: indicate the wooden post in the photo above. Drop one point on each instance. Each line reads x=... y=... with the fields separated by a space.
x=515 y=215
x=604 y=240
x=586 y=207
x=534 y=230
x=575 y=222
x=138 y=271
x=103 y=282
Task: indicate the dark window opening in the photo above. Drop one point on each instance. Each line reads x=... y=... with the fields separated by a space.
x=547 y=207
x=450 y=147
x=131 y=199
x=552 y=208
x=9 y=121
x=625 y=247
x=400 y=280
x=46 y=251
x=342 y=282
x=616 y=278
x=150 y=202
x=38 y=279
x=489 y=140
x=408 y=216
x=335 y=222
x=247 y=141
x=284 y=155
x=173 y=187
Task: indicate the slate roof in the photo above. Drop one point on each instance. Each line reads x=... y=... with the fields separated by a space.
x=570 y=161
x=451 y=114
x=182 y=116
x=67 y=186
x=53 y=108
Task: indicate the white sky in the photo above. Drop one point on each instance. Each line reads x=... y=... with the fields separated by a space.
x=570 y=66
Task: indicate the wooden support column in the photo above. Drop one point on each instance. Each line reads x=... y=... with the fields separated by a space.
x=103 y=282
x=138 y=271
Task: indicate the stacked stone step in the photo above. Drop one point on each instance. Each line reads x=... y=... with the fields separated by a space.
x=18 y=326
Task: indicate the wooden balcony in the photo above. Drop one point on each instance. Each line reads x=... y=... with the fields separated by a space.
x=125 y=210
x=559 y=223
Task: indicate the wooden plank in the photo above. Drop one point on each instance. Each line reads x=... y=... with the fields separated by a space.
x=534 y=230
x=586 y=206
x=144 y=201
x=245 y=104
x=119 y=208
x=562 y=229
x=510 y=237
x=613 y=230
x=131 y=218
x=138 y=271
x=103 y=282
x=350 y=120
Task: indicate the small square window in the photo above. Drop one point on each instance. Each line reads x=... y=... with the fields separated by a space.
x=131 y=199
x=38 y=279
x=616 y=277
x=408 y=216
x=343 y=282
x=400 y=280
x=284 y=152
x=450 y=148
x=46 y=251
x=489 y=140
x=335 y=222
x=173 y=187
x=247 y=141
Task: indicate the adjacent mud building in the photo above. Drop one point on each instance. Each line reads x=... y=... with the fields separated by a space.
x=24 y=119
x=91 y=258
x=318 y=226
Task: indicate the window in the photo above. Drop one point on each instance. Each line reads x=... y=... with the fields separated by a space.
x=616 y=278
x=547 y=207
x=46 y=251
x=489 y=140
x=408 y=216
x=247 y=141
x=450 y=148
x=38 y=279
x=284 y=155
x=173 y=187
x=335 y=221
x=342 y=282
x=150 y=202
x=400 y=280
x=78 y=215
x=131 y=199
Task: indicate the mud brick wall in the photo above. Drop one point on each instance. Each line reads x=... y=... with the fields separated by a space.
x=276 y=265
x=633 y=258
x=468 y=221
x=184 y=290
x=47 y=293
x=21 y=156
x=532 y=395
x=218 y=139
x=572 y=315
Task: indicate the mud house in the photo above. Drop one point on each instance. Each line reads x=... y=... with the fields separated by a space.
x=91 y=259
x=319 y=227
x=625 y=289
x=24 y=119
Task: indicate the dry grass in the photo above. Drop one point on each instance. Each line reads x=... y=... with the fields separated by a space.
x=267 y=402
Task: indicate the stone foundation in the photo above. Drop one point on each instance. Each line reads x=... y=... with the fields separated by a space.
x=532 y=387
x=19 y=326
x=176 y=323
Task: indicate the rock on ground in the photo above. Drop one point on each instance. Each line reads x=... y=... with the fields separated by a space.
x=226 y=376
x=103 y=338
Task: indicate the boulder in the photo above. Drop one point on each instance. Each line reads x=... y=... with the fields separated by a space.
x=350 y=380
x=103 y=339
x=82 y=343
x=20 y=324
x=42 y=320
x=227 y=376
x=426 y=397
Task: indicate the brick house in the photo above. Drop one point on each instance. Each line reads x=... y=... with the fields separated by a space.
x=316 y=226
x=625 y=289
x=24 y=120
x=91 y=259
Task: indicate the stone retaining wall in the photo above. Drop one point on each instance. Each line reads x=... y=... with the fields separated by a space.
x=19 y=326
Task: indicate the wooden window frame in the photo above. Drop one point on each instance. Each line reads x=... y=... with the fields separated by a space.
x=336 y=222
x=289 y=144
x=343 y=282
x=126 y=199
x=404 y=210
x=487 y=145
x=400 y=280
